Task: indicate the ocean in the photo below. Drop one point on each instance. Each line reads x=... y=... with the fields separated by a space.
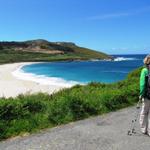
x=81 y=72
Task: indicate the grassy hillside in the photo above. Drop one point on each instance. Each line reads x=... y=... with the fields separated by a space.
x=42 y=50
x=29 y=113
x=87 y=53
x=10 y=56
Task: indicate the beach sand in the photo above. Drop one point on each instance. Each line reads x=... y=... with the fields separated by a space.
x=11 y=86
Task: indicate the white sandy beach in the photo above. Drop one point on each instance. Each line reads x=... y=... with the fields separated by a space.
x=11 y=86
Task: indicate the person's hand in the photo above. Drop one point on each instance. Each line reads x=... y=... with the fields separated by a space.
x=140 y=97
x=138 y=104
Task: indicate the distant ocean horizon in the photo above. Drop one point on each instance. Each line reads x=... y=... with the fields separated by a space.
x=81 y=72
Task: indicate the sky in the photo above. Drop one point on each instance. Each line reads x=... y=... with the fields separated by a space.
x=111 y=26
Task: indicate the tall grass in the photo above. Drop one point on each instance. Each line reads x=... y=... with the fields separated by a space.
x=29 y=113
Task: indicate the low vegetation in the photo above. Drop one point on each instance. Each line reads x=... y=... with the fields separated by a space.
x=30 y=113
x=11 y=56
x=42 y=50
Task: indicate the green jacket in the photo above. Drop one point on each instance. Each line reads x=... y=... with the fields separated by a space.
x=144 y=73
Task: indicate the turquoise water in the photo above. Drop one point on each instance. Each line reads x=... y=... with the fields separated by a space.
x=87 y=71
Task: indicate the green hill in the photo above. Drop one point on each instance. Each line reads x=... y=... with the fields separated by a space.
x=42 y=50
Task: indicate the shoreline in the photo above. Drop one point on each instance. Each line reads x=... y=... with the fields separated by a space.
x=12 y=86
x=14 y=81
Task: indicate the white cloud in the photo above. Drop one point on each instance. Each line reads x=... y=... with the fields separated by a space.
x=147 y=48
x=120 y=48
x=107 y=16
x=121 y=14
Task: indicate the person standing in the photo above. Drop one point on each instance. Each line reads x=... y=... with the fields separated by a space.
x=145 y=110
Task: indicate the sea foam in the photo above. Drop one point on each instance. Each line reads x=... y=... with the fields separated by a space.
x=123 y=59
x=42 y=79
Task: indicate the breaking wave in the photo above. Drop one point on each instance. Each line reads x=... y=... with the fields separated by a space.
x=124 y=59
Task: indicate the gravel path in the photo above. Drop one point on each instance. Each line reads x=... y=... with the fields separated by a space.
x=107 y=132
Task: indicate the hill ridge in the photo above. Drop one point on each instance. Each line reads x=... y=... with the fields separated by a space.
x=44 y=49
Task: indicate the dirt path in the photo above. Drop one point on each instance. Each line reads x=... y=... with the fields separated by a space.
x=108 y=132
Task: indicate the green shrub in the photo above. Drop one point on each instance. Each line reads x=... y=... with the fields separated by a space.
x=10 y=110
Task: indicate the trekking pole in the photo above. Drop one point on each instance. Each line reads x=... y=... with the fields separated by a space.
x=132 y=130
